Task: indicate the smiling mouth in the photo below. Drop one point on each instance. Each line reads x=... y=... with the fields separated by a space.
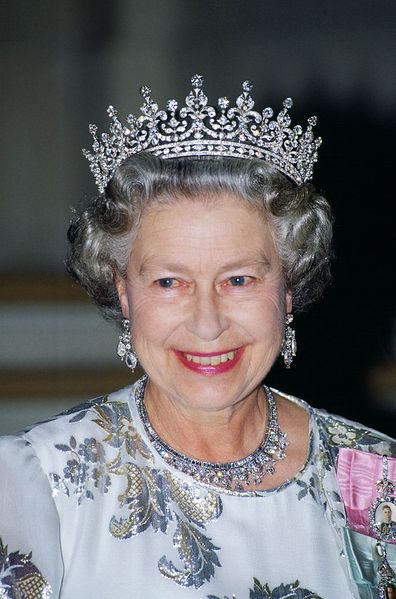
x=209 y=364
x=210 y=360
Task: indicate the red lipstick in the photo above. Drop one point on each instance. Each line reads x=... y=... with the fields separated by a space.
x=210 y=369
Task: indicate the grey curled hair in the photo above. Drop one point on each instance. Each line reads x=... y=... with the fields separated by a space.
x=102 y=234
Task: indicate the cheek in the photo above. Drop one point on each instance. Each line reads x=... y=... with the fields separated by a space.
x=153 y=320
x=266 y=309
x=264 y=320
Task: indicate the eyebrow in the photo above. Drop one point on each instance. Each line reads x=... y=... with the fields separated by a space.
x=260 y=260
x=148 y=265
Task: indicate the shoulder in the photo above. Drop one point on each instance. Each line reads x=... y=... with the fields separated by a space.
x=76 y=451
x=84 y=414
x=337 y=432
x=87 y=422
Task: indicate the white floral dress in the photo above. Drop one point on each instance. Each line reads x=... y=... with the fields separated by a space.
x=88 y=509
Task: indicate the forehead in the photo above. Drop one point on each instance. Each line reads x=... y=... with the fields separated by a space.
x=211 y=223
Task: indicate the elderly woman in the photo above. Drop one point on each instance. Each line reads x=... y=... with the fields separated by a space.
x=199 y=480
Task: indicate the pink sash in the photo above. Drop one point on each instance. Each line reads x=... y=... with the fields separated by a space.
x=357 y=473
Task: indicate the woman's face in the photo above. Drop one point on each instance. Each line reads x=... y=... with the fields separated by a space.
x=205 y=295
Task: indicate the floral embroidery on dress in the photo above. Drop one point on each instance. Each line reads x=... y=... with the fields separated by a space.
x=288 y=591
x=19 y=577
x=151 y=497
x=342 y=435
x=87 y=469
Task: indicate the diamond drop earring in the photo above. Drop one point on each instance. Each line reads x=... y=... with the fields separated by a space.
x=124 y=348
x=289 y=344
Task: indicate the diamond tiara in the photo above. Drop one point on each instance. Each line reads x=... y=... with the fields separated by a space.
x=200 y=130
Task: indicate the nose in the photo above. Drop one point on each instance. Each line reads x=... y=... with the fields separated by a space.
x=207 y=319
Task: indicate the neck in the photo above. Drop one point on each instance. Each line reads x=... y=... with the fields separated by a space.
x=214 y=436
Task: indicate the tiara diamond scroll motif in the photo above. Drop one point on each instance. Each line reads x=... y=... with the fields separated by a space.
x=200 y=130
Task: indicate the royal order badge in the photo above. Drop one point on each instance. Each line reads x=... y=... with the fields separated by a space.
x=382 y=520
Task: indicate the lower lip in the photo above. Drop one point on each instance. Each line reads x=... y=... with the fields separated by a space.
x=207 y=369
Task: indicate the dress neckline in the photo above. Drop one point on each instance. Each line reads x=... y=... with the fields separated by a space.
x=214 y=488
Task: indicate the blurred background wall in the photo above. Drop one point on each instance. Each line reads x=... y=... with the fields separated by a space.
x=64 y=61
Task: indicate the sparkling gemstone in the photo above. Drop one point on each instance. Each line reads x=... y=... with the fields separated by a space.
x=312 y=121
x=121 y=349
x=197 y=80
x=288 y=103
x=247 y=86
x=223 y=103
x=145 y=91
x=172 y=105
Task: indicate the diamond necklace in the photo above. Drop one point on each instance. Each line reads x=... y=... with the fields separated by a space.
x=232 y=476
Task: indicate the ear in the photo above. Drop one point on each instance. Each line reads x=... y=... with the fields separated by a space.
x=120 y=284
x=289 y=302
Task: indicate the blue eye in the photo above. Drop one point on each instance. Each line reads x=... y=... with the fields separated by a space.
x=238 y=281
x=166 y=283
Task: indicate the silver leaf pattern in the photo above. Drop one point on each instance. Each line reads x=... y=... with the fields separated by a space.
x=196 y=552
x=150 y=498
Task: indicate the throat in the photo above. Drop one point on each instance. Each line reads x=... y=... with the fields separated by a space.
x=216 y=459
x=208 y=435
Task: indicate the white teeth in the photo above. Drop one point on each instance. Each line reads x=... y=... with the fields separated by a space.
x=211 y=360
x=215 y=360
